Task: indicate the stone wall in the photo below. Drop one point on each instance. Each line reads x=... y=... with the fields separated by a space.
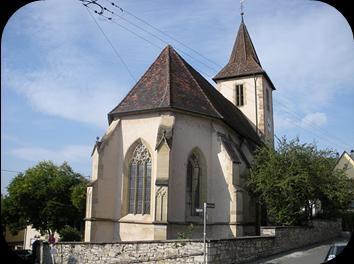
x=273 y=240
x=177 y=251
x=238 y=250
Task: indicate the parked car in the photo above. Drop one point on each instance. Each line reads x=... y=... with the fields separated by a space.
x=334 y=250
x=24 y=254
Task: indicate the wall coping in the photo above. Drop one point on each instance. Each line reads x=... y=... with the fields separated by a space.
x=167 y=241
x=284 y=227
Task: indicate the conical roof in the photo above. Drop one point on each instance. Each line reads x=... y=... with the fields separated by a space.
x=243 y=60
x=171 y=83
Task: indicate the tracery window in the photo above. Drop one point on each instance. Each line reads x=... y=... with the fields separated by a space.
x=193 y=184
x=140 y=181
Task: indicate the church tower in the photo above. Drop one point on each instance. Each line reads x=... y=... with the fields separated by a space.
x=244 y=82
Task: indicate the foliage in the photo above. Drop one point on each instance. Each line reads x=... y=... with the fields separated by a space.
x=69 y=233
x=348 y=221
x=46 y=196
x=290 y=179
x=187 y=233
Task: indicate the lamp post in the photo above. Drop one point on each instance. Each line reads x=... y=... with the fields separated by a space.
x=204 y=211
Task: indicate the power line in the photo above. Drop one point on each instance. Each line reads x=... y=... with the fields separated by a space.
x=162 y=32
x=110 y=43
x=13 y=171
x=110 y=19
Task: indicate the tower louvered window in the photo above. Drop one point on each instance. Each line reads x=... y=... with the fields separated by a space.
x=140 y=181
x=239 y=95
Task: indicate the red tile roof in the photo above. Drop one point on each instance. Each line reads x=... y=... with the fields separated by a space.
x=171 y=83
x=243 y=60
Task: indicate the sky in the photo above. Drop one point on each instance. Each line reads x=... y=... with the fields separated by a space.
x=60 y=75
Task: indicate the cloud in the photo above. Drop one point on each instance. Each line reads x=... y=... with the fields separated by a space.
x=314 y=119
x=311 y=120
x=70 y=79
x=308 y=56
x=70 y=153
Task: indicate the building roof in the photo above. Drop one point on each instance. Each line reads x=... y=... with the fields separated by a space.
x=171 y=83
x=243 y=60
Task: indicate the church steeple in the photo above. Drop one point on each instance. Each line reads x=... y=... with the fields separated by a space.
x=243 y=60
x=245 y=84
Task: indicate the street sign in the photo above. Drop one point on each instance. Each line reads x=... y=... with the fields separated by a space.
x=210 y=205
x=199 y=210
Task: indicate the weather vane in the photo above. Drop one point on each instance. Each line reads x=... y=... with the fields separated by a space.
x=242 y=7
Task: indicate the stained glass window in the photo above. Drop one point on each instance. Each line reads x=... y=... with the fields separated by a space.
x=193 y=184
x=140 y=181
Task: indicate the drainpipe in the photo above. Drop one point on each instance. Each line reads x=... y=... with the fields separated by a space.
x=255 y=100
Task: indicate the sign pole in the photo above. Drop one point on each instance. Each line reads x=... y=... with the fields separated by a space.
x=204 y=232
x=204 y=210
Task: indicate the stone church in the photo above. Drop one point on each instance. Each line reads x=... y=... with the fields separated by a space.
x=174 y=142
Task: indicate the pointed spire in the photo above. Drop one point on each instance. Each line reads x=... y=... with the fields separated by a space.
x=243 y=60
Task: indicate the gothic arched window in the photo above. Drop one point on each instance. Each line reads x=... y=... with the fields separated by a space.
x=140 y=181
x=193 y=184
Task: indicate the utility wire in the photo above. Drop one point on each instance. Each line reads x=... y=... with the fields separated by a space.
x=13 y=171
x=110 y=43
x=162 y=40
x=162 y=32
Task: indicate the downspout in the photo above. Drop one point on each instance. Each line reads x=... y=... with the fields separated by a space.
x=255 y=100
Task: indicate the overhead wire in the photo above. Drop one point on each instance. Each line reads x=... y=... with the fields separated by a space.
x=110 y=19
x=12 y=171
x=162 y=32
x=110 y=43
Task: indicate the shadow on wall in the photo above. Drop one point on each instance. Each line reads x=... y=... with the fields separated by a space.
x=221 y=196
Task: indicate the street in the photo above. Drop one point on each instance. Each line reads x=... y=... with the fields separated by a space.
x=310 y=255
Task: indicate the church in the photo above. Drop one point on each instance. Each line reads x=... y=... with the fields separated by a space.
x=176 y=141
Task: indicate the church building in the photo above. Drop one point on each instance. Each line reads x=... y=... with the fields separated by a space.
x=174 y=142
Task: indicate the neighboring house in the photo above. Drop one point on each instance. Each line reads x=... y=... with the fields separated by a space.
x=175 y=142
x=25 y=237
x=346 y=162
x=15 y=241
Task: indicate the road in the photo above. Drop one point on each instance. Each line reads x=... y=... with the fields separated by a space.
x=310 y=255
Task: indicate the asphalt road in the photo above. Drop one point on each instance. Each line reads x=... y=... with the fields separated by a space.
x=310 y=255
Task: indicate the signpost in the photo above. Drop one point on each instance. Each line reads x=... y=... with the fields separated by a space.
x=204 y=211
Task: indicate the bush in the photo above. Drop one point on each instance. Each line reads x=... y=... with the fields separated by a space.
x=187 y=233
x=348 y=221
x=69 y=233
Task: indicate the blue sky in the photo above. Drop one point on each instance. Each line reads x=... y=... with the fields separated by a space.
x=60 y=77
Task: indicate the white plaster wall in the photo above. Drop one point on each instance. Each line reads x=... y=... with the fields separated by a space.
x=227 y=88
x=135 y=232
x=269 y=133
x=191 y=132
x=107 y=193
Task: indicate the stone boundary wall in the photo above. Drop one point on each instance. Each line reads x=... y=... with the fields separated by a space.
x=170 y=251
x=273 y=240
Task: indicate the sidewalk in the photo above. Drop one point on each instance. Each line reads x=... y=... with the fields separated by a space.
x=308 y=255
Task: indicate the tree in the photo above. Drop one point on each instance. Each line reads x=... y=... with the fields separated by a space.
x=47 y=196
x=292 y=178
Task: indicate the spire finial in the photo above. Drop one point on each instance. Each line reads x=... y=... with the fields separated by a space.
x=242 y=8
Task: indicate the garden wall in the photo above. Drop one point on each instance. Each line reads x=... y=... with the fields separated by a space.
x=273 y=240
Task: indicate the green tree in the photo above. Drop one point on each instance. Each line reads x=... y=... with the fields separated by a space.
x=290 y=179
x=47 y=196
